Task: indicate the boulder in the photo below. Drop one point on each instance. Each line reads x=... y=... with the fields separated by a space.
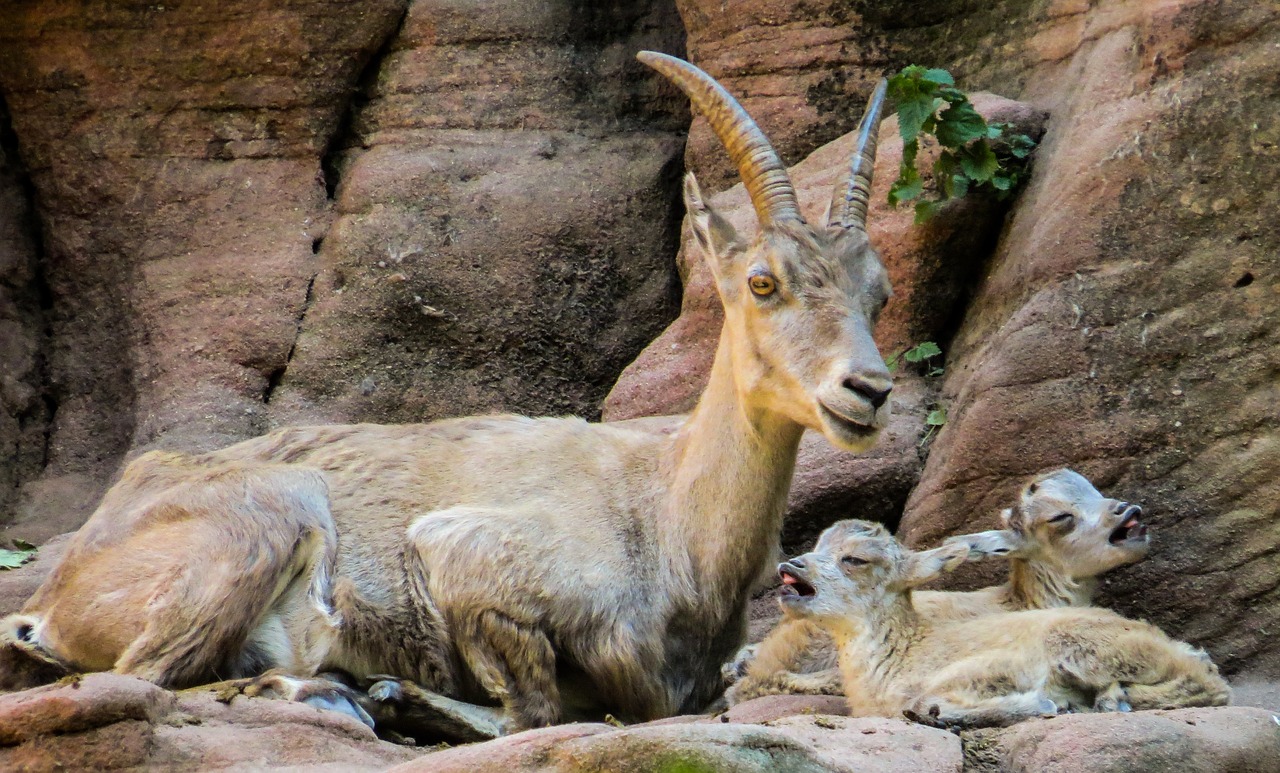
x=797 y=743
x=1218 y=740
x=109 y=722
x=1124 y=326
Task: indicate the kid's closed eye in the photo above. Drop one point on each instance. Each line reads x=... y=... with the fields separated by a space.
x=1061 y=518
x=853 y=561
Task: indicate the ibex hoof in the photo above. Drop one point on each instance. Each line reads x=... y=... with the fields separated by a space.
x=386 y=690
x=341 y=704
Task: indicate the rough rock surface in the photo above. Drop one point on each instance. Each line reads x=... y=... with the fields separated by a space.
x=1126 y=324
x=1220 y=740
x=496 y=189
x=795 y=743
x=109 y=722
x=932 y=268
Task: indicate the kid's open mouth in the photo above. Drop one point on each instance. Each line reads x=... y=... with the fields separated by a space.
x=1132 y=529
x=793 y=585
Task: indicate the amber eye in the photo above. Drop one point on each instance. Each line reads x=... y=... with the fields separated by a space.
x=762 y=285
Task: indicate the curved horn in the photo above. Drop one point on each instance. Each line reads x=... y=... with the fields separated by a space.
x=762 y=171
x=850 y=199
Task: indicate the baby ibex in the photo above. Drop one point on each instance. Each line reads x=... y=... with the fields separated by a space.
x=990 y=670
x=1060 y=536
x=539 y=563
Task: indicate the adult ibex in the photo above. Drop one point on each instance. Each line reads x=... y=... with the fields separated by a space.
x=549 y=564
x=1059 y=537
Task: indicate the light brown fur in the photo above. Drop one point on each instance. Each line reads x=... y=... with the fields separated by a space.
x=1057 y=539
x=551 y=565
x=989 y=670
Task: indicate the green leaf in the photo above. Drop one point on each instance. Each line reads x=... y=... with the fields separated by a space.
x=940 y=76
x=922 y=351
x=909 y=151
x=936 y=418
x=959 y=186
x=959 y=124
x=22 y=544
x=979 y=161
x=912 y=115
x=1001 y=182
x=1020 y=145
x=12 y=559
x=925 y=209
x=908 y=186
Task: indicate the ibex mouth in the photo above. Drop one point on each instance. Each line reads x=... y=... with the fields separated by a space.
x=841 y=422
x=793 y=585
x=1132 y=530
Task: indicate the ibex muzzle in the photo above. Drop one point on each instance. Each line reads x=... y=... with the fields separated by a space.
x=802 y=300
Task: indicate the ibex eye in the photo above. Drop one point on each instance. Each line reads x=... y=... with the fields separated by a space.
x=1061 y=518
x=762 y=285
x=854 y=561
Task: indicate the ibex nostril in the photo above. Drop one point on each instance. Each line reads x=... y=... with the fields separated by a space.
x=875 y=395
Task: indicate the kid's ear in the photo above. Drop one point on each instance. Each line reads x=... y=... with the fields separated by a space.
x=714 y=234
x=927 y=565
x=1005 y=543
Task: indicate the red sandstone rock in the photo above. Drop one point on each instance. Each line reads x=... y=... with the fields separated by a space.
x=1221 y=740
x=1125 y=327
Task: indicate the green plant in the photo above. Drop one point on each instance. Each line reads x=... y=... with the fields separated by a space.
x=12 y=559
x=974 y=154
x=920 y=353
x=936 y=418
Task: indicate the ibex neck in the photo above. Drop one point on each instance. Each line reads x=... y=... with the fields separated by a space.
x=872 y=648
x=731 y=471
x=1043 y=585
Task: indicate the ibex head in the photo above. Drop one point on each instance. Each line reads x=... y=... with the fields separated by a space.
x=1062 y=520
x=800 y=301
x=858 y=566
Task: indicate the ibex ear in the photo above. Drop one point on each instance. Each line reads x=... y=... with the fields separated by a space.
x=714 y=234
x=927 y=565
x=1005 y=543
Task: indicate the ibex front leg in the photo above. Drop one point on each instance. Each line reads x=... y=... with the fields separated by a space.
x=478 y=563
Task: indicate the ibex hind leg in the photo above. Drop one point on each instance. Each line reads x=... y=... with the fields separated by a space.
x=956 y=711
x=403 y=707
x=332 y=692
x=256 y=600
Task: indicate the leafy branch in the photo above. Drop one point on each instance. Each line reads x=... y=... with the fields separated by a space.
x=974 y=155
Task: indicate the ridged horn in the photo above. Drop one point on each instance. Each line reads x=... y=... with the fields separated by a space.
x=762 y=171
x=851 y=196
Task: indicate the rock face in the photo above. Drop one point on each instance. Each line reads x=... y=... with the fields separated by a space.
x=222 y=218
x=1124 y=327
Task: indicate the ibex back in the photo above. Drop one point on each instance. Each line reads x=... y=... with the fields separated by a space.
x=541 y=563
